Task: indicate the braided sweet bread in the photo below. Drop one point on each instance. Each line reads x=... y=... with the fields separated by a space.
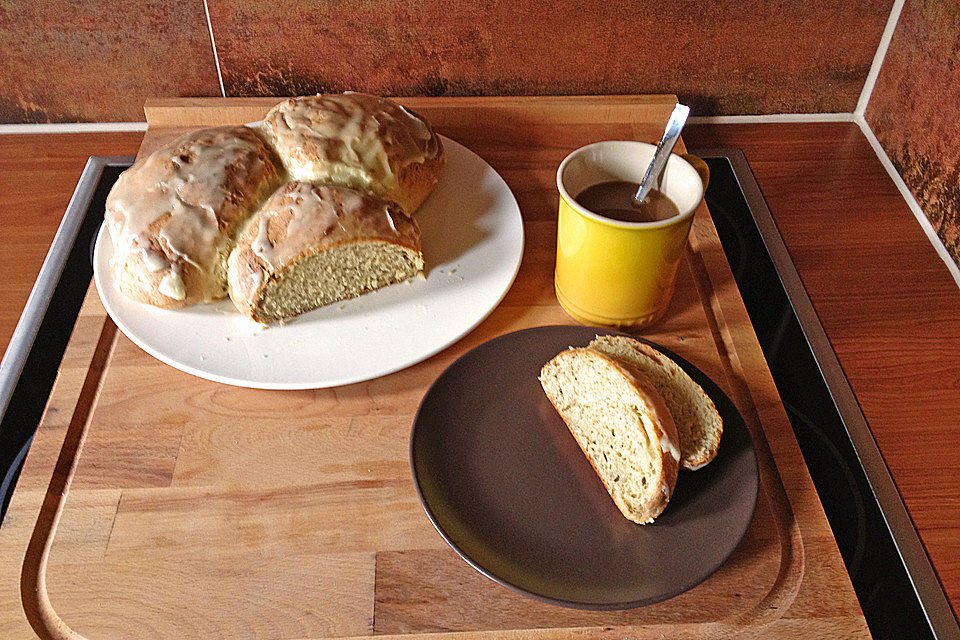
x=328 y=173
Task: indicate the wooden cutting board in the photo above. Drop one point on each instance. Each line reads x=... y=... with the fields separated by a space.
x=157 y=505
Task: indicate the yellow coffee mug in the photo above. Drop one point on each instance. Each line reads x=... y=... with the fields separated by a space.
x=615 y=273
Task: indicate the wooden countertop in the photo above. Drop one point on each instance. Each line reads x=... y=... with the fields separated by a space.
x=147 y=507
x=885 y=299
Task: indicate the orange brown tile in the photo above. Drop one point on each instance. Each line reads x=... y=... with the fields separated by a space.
x=915 y=110
x=724 y=58
x=98 y=61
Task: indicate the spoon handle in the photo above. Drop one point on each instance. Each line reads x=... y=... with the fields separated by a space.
x=670 y=136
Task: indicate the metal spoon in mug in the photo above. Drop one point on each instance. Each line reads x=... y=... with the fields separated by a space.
x=670 y=136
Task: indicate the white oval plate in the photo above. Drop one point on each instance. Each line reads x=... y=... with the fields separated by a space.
x=472 y=237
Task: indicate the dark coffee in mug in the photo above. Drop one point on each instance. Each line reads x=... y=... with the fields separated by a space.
x=614 y=200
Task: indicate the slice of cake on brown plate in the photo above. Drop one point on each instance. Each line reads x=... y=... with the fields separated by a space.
x=311 y=245
x=698 y=422
x=622 y=425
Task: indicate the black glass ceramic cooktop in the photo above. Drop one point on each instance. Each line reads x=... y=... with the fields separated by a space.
x=40 y=368
x=886 y=595
x=888 y=600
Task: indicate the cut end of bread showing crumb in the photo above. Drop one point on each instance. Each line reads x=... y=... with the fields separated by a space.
x=698 y=423
x=621 y=424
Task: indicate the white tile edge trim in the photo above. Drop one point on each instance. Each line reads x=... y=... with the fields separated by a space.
x=87 y=127
x=773 y=117
x=73 y=127
x=878 y=57
x=908 y=196
x=213 y=43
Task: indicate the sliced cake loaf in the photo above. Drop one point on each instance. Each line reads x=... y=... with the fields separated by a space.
x=697 y=420
x=622 y=425
x=311 y=245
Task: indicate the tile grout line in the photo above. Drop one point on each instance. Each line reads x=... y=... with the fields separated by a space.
x=88 y=127
x=866 y=92
x=213 y=43
x=878 y=57
x=773 y=118
x=908 y=196
x=71 y=127
x=860 y=118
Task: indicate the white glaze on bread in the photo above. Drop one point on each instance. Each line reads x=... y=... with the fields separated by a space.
x=355 y=140
x=302 y=219
x=174 y=216
x=173 y=211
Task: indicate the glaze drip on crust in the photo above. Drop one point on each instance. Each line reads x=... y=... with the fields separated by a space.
x=175 y=208
x=351 y=139
x=302 y=218
x=309 y=214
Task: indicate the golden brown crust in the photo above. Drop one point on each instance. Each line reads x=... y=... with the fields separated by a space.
x=323 y=218
x=359 y=141
x=418 y=181
x=663 y=422
x=172 y=215
x=137 y=282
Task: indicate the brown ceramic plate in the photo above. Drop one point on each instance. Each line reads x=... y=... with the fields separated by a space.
x=506 y=485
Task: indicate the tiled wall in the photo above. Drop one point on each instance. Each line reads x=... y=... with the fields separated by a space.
x=98 y=60
x=67 y=61
x=915 y=110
